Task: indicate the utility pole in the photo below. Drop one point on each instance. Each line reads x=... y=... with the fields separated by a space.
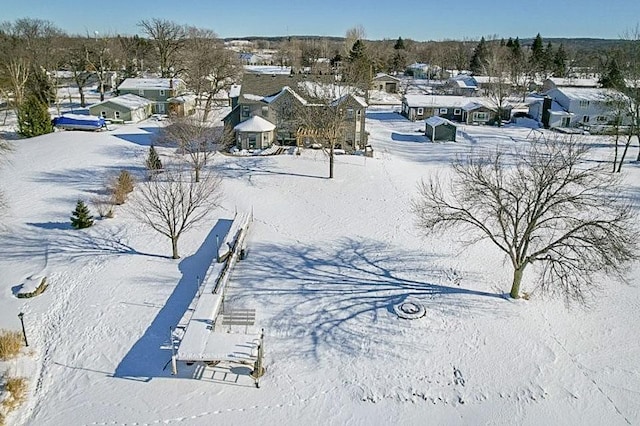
x=24 y=333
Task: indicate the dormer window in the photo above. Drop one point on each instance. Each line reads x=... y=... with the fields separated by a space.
x=161 y=92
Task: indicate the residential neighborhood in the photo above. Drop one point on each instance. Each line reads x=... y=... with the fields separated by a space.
x=403 y=223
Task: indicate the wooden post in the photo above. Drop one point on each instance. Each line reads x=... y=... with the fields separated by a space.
x=258 y=369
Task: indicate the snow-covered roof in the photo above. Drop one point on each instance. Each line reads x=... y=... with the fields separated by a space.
x=575 y=82
x=255 y=124
x=586 y=94
x=437 y=121
x=285 y=89
x=384 y=76
x=343 y=98
x=435 y=101
x=268 y=69
x=149 y=83
x=464 y=81
x=129 y=100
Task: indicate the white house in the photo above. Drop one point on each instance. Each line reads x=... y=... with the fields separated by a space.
x=565 y=107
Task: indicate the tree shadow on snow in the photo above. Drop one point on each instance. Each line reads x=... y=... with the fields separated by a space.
x=146 y=359
x=257 y=166
x=341 y=296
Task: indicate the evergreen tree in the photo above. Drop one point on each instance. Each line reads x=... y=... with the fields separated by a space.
x=612 y=78
x=399 y=44
x=479 y=59
x=560 y=62
x=81 y=216
x=153 y=162
x=34 y=118
x=548 y=59
x=357 y=51
x=509 y=43
x=537 y=54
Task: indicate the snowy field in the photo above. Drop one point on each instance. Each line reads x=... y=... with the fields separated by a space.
x=327 y=261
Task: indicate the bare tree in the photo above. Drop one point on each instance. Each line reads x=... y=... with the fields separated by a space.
x=173 y=203
x=196 y=139
x=211 y=68
x=5 y=148
x=78 y=63
x=499 y=87
x=326 y=118
x=550 y=208
x=168 y=39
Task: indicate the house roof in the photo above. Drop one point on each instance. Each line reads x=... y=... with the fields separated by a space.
x=584 y=93
x=255 y=124
x=182 y=99
x=150 y=83
x=438 y=121
x=574 y=82
x=285 y=89
x=435 y=101
x=383 y=76
x=129 y=100
x=464 y=81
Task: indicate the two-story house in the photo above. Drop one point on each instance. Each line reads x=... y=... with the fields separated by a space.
x=157 y=90
x=569 y=107
x=282 y=101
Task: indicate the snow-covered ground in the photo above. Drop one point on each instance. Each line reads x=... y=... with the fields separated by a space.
x=327 y=262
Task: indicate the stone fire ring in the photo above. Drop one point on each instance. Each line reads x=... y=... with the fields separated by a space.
x=409 y=310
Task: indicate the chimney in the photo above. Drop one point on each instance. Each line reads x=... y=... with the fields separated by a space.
x=546 y=108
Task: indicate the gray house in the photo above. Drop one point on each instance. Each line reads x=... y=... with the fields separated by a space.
x=440 y=129
x=278 y=99
x=125 y=108
x=157 y=90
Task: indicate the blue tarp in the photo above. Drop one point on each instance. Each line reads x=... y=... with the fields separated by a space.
x=79 y=122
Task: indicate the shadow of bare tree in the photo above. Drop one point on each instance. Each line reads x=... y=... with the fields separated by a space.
x=341 y=296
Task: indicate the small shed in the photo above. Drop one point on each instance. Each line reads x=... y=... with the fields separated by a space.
x=254 y=133
x=440 y=129
x=129 y=107
x=182 y=105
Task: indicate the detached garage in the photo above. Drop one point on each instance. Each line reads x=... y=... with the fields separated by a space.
x=440 y=129
x=129 y=107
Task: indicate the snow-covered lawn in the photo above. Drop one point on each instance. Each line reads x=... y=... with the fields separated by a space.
x=328 y=260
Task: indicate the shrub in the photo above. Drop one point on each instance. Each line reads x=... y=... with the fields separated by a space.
x=81 y=216
x=10 y=344
x=16 y=388
x=122 y=186
x=153 y=162
x=104 y=206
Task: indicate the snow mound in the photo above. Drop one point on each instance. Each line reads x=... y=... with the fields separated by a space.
x=410 y=310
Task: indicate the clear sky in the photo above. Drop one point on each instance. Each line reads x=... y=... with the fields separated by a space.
x=415 y=19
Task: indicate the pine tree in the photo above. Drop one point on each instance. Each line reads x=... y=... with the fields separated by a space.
x=560 y=62
x=34 y=118
x=537 y=54
x=399 y=44
x=153 y=163
x=357 y=51
x=612 y=77
x=81 y=216
x=479 y=58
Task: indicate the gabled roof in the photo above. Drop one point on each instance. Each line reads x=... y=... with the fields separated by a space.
x=575 y=82
x=383 y=76
x=360 y=101
x=129 y=100
x=585 y=93
x=255 y=124
x=464 y=81
x=150 y=83
x=285 y=89
x=435 y=101
x=438 y=121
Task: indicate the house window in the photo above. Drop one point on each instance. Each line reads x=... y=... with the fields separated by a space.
x=480 y=116
x=443 y=110
x=420 y=111
x=116 y=114
x=349 y=113
x=601 y=119
x=141 y=92
x=565 y=122
x=358 y=113
x=245 y=111
x=265 y=111
x=252 y=140
x=584 y=104
x=457 y=111
x=161 y=92
x=103 y=114
x=585 y=118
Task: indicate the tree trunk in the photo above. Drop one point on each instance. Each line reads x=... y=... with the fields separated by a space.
x=517 y=279
x=197 y=170
x=174 y=247
x=82 y=101
x=624 y=153
x=331 y=162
